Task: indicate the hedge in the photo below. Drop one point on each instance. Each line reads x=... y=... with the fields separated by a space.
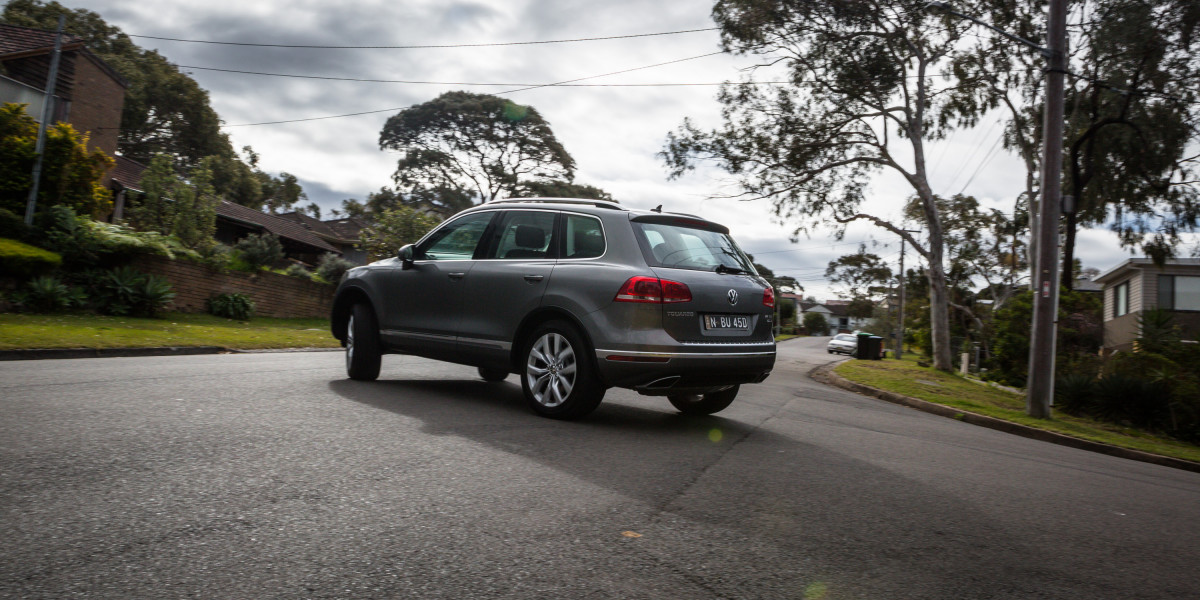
x=21 y=260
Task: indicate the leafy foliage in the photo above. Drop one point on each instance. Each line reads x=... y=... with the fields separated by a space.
x=165 y=111
x=21 y=260
x=298 y=270
x=45 y=294
x=862 y=97
x=171 y=205
x=127 y=291
x=1080 y=335
x=461 y=149
x=561 y=189
x=84 y=243
x=259 y=250
x=815 y=323
x=71 y=174
x=238 y=307
x=331 y=267
x=394 y=228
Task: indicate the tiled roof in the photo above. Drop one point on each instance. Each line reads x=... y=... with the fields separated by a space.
x=19 y=42
x=15 y=40
x=343 y=231
x=128 y=172
x=274 y=224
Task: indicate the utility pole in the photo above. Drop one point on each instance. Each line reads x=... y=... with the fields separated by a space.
x=1043 y=278
x=47 y=112
x=900 y=325
x=1040 y=385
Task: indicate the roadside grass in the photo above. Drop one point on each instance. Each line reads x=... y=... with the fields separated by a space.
x=907 y=378
x=21 y=331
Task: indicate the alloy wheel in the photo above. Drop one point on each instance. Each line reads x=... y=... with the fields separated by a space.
x=550 y=370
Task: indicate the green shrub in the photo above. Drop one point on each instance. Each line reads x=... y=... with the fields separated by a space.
x=297 y=270
x=331 y=267
x=13 y=226
x=21 y=260
x=44 y=294
x=259 y=250
x=84 y=243
x=126 y=291
x=238 y=307
x=1075 y=393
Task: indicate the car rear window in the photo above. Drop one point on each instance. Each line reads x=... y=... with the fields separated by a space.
x=679 y=246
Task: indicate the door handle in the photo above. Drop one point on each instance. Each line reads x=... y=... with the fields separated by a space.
x=534 y=278
x=456 y=275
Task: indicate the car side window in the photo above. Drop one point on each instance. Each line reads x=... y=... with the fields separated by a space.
x=583 y=237
x=523 y=234
x=456 y=240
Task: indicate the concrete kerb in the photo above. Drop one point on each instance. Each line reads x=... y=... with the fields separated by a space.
x=52 y=353
x=825 y=374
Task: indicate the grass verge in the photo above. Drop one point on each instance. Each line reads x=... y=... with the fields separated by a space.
x=907 y=378
x=19 y=331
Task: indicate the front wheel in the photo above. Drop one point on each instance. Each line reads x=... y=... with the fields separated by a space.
x=362 y=344
x=559 y=379
x=704 y=404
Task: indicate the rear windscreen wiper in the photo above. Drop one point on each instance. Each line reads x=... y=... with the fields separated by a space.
x=732 y=270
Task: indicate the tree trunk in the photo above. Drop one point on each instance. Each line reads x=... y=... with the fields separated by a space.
x=939 y=316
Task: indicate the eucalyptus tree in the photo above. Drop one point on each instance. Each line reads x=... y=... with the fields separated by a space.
x=1132 y=112
x=461 y=149
x=868 y=89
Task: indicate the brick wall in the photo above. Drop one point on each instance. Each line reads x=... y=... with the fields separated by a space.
x=274 y=295
x=96 y=105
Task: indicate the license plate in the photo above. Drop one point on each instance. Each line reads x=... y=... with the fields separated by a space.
x=727 y=322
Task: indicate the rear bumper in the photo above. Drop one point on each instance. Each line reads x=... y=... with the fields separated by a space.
x=662 y=373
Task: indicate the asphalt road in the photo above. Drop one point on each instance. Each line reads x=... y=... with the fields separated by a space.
x=273 y=476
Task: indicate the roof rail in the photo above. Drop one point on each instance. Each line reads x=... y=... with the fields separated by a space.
x=596 y=203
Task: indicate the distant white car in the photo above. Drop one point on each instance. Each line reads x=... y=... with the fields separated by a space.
x=842 y=343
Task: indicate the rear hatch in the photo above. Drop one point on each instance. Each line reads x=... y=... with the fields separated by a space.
x=729 y=303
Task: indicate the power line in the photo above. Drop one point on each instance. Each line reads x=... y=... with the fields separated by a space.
x=422 y=46
x=470 y=83
x=504 y=92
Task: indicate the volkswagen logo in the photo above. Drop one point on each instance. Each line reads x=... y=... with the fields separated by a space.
x=732 y=296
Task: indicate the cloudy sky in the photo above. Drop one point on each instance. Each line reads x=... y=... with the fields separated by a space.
x=613 y=131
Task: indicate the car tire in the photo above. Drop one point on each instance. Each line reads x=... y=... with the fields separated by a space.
x=559 y=379
x=492 y=375
x=704 y=404
x=363 y=351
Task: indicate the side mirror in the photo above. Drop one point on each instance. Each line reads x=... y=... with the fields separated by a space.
x=406 y=256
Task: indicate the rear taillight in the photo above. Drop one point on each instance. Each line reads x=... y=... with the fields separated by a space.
x=653 y=290
x=769 y=298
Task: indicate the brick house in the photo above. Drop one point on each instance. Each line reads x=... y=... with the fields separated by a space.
x=88 y=93
x=1137 y=285
x=342 y=233
x=235 y=222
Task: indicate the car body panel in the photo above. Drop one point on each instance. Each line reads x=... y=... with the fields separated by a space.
x=475 y=310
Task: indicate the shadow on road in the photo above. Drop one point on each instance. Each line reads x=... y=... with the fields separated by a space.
x=756 y=485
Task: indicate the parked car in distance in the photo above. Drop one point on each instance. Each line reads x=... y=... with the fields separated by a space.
x=575 y=296
x=842 y=343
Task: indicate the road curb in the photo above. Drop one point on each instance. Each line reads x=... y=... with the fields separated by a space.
x=825 y=374
x=51 y=353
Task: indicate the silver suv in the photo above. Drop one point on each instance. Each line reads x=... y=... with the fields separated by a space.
x=575 y=296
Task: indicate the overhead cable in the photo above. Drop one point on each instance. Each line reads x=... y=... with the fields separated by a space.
x=421 y=46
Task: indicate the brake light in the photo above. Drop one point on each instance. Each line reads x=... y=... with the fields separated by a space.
x=653 y=290
x=769 y=298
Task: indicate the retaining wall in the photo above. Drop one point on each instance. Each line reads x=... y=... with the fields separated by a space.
x=274 y=295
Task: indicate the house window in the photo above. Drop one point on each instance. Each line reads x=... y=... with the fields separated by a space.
x=1178 y=292
x=1121 y=297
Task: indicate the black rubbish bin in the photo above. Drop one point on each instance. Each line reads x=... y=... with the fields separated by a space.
x=875 y=348
x=863 y=351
